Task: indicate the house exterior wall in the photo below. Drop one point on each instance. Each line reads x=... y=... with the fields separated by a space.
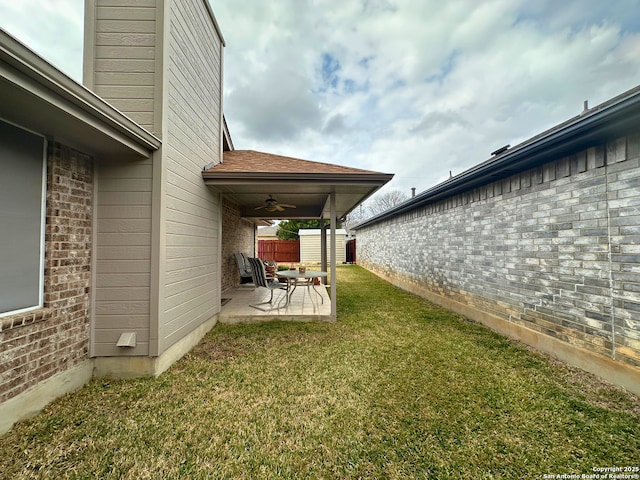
x=122 y=300
x=238 y=235
x=267 y=233
x=123 y=58
x=266 y=237
x=553 y=250
x=158 y=243
x=190 y=291
x=131 y=245
x=40 y=344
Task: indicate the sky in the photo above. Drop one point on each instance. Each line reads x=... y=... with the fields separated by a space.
x=423 y=89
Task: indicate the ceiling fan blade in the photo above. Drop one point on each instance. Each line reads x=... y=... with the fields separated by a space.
x=272 y=205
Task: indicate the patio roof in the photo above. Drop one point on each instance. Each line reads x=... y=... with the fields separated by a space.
x=248 y=178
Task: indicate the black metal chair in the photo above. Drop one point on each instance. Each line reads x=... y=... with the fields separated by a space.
x=260 y=280
x=243 y=267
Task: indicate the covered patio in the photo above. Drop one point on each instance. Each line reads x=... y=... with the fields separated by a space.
x=306 y=190
x=304 y=306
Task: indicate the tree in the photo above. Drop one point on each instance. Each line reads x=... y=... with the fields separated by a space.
x=385 y=201
x=376 y=205
x=356 y=216
x=288 y=229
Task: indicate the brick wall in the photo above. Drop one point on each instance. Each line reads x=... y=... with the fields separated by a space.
x=555 y=249
x=238 y=235
x=39 y=344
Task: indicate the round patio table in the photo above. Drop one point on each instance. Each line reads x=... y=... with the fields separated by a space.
x=294 y=277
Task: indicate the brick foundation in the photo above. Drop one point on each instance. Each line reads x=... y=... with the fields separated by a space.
x=41 y=343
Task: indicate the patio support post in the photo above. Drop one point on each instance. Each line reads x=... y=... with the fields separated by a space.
x=332 y=201
x=323 y=250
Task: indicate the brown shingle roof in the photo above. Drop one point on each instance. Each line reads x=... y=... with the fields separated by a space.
x=238 y=161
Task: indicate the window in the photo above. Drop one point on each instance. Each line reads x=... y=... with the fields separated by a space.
x=22 y=216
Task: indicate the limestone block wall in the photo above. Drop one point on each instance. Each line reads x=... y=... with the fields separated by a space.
x=555 y=249
x=39 y=344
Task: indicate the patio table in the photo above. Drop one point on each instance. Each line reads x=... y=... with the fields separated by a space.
x=293 y=277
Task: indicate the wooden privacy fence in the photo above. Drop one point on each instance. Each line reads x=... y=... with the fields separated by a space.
x=282 y=251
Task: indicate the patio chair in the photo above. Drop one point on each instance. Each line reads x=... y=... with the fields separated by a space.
x=243 y=266
x=260 y=280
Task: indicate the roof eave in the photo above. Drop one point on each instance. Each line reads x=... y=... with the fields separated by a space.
x=27 y=72
x=230 y=178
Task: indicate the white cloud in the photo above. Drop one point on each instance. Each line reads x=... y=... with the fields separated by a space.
x=415 y=88
x=52 y=28
x=420 y=88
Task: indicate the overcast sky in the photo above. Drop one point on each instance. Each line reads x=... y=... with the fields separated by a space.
x=417 y=88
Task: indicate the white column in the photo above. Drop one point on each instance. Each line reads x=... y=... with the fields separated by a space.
x=332 y=202
x=323 y=251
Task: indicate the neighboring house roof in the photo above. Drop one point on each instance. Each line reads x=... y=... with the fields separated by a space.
x=248 y=177
x=612 y=119
x=268 y=231
x=36 y=95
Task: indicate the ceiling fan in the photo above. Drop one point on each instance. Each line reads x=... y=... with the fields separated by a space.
x=272 y=205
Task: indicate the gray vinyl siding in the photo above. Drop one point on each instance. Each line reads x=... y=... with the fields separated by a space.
x=124 y=58
x=123 y=256
x=193 y=139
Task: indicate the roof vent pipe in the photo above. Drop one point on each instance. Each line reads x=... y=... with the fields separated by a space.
x=585 y=106
x=413 y=192
x=500 y=150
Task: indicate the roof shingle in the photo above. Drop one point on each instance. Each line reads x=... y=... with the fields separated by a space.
x=238 y=161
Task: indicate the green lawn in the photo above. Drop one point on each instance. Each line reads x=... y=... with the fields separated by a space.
x=397 y=388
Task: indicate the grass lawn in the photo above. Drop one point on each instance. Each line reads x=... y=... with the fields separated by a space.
x=397 y=388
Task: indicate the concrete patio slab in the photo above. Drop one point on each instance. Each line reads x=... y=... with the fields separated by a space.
x=305 y=305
